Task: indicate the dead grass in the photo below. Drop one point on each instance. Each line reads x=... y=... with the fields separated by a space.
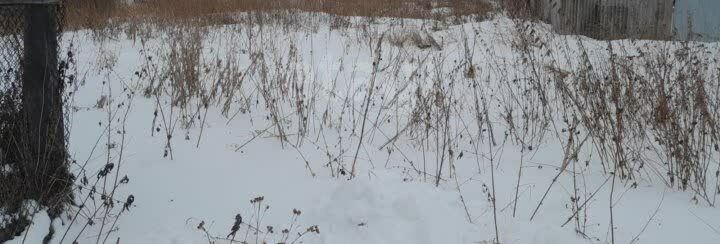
x=646 y=116
x=88 y=14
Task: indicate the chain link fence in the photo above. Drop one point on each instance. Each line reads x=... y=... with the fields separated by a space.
x=11 y=40
x=33 y=157
x=12 y=32
x=13 y=29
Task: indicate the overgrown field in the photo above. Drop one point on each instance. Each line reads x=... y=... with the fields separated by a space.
x=456 y=127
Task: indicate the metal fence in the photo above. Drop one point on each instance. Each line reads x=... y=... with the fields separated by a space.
x=28 y=23
x=11 y=44
x=32 y=133
x=30 y=83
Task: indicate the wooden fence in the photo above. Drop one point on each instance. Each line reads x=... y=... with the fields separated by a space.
x=609 y=19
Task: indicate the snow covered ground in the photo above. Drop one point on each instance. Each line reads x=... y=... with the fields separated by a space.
x=217 y=161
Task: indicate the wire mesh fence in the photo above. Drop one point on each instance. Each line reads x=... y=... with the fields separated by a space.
x=30 y=33
x=12 y=21
x=13 y=28
x=33 y=156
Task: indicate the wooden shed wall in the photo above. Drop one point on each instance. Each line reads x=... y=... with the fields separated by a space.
x=609 y=19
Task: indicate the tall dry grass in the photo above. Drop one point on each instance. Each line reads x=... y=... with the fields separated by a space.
x=634 y=116
x=88 y=13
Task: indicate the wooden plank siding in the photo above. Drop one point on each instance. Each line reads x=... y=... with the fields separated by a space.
x=609 y=19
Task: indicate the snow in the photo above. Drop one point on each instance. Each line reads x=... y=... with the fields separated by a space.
x=387 y=202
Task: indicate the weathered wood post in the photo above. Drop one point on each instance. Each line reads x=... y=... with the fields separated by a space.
x=42 y=97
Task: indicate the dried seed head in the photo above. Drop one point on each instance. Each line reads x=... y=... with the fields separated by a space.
x=201 y=226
